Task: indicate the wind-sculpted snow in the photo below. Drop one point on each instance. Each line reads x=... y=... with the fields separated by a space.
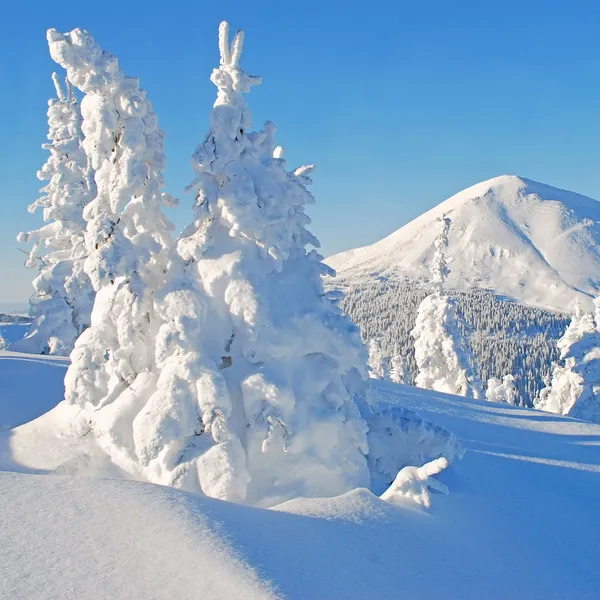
x=521 y=239
x=62 y=303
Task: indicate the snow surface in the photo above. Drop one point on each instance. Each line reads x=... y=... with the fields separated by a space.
x=525 y=240
x=521 y=521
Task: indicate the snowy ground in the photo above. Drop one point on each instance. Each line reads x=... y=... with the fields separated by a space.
x=521 y=520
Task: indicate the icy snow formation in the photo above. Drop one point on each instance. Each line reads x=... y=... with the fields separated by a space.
x=443 y=358
x=574 y=388
x=127 y=237
x=63 y=298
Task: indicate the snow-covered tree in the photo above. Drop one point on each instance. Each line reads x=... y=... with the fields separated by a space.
x=398 y=368
x=257 y=402
x=379 y=364
x=62 y=303
x=574 y=388
x=443 y=358
x=502 y=390
x=127 y=236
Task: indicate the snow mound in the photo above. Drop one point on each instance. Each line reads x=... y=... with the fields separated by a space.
x=525 y=240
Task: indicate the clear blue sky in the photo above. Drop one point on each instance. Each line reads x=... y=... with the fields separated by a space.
x=400 y=104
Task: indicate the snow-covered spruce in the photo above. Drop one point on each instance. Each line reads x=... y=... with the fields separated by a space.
x=63 y=298
x=444 y=361
x=259 y=403
x=112 y=370
x=574 y=388
x=502 y=390
x=379 y=365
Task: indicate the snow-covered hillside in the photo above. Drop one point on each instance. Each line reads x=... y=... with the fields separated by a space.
x=521 y=521
x=525 y=240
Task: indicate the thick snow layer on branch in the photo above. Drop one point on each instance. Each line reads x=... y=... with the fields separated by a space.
x=62 y=302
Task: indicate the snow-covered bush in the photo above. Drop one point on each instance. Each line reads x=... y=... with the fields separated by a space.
x=575 y=384
x=127 y=236
x=62 y=303
x=443 y=358
x=502 y=390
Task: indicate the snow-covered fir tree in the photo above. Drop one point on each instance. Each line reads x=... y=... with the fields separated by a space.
x=443 y=358
x=62 y=303
x=379 y=364
x=574 y=388
x=502 y=390
x=259 y=373
x=127 y=236
x=398 y=368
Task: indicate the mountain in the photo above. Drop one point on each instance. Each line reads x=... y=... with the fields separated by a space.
x=520 y=239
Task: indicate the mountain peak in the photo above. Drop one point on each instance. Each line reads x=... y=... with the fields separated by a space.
x=515 y=236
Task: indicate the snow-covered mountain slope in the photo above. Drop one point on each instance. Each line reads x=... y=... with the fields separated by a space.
x=521 y=522
x=525 y=240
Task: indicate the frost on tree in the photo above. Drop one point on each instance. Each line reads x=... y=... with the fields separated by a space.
x=399 y=372
x=63 y=298
x=379 y=364
x=574 y=388
x=257 y=401
x=127 y=237
x=443 y=358
x=502 y=390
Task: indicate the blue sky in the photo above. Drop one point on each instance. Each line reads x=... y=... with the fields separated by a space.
x=400 y=104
